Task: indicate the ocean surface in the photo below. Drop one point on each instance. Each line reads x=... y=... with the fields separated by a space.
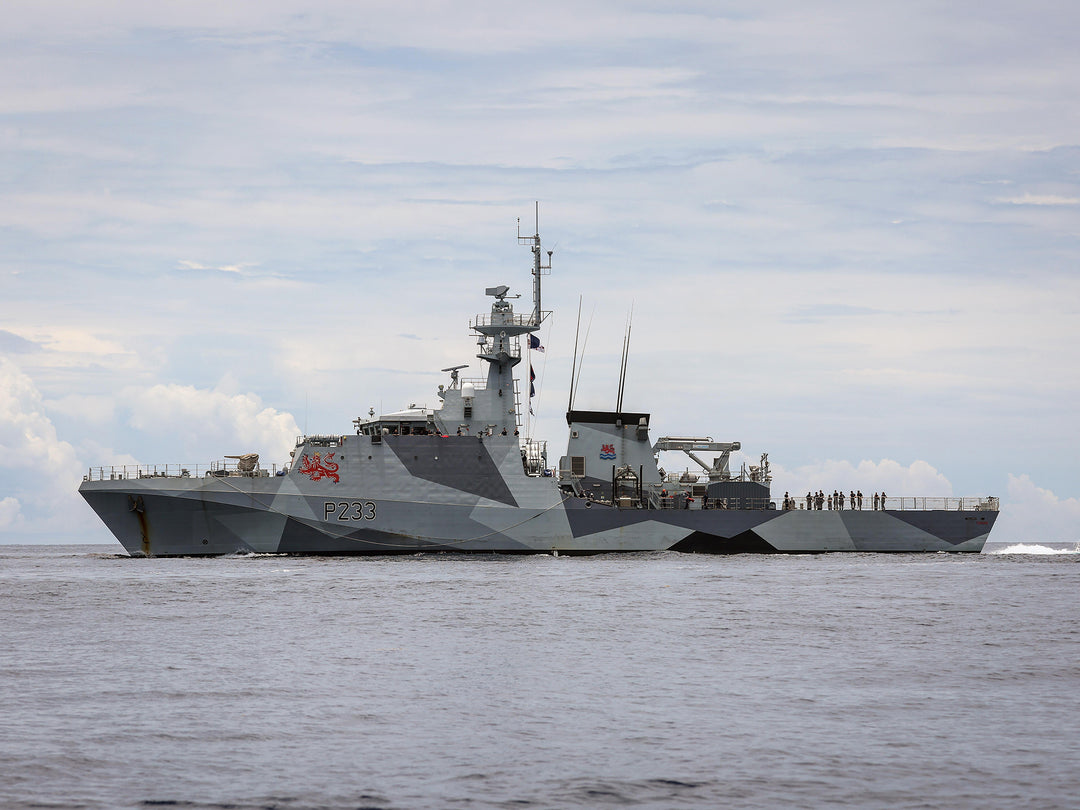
x=443 y=681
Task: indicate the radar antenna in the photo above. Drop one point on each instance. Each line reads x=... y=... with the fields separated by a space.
x=539 y=267
x=454 y=374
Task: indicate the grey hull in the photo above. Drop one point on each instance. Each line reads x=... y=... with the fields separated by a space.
x=171 y=517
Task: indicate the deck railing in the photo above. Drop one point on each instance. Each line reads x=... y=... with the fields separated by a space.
x=123 y=472
x=917 y=503
x=898 y=504
x=488 y=320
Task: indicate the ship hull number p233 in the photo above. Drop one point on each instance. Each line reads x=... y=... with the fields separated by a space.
x=348 y=510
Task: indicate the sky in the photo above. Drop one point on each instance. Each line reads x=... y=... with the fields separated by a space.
x=848 y=232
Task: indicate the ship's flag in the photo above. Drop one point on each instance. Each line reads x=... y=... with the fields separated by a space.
x=532 y=374
x=534 y=343
x=532 y=390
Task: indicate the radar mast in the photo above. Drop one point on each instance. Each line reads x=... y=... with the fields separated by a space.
x=539 y=267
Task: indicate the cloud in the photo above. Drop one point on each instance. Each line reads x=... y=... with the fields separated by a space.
x=1040 y=199
x=16 y=344
x=825 y=311
x=212 y=423
x=70 y=345
x=96 y=409
x=39 y=470
x=238 y=269
x=9 y=513
x=28 y=440
x=918 y=479
x=1031 y=513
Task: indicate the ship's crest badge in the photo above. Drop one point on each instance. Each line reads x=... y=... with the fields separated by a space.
x=607 y=451
x=319 y=468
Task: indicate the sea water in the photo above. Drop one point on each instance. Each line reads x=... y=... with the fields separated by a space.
x=646 y=680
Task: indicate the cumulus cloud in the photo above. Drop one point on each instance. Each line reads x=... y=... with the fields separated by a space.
x=39 y=472
x=1030 y=513
x=918 y=479
x=212 y=423
x=9 y=513
x=97 y=409
x=28 y=439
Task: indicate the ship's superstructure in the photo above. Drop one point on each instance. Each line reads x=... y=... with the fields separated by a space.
x=465 y=477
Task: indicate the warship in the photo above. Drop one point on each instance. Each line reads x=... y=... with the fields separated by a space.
x=463 y=477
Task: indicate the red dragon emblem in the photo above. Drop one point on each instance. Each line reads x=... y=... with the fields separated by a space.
x=319 y=469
